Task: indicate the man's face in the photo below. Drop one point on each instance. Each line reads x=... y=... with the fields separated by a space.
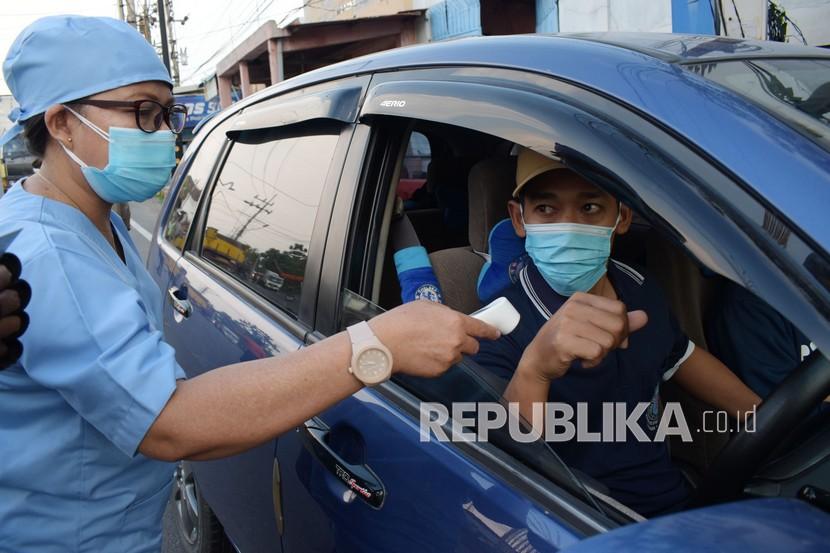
x=562 y=196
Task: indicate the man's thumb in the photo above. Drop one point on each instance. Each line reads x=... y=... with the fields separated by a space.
x=636 y=321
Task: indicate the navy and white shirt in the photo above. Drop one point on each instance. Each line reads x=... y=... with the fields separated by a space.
x=639 y=474
x=760 y=345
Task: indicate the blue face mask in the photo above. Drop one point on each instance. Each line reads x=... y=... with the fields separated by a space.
x=139 y=163
x=571 y=257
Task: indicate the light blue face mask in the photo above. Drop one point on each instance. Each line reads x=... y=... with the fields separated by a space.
x=139 y=163
x=571 y=257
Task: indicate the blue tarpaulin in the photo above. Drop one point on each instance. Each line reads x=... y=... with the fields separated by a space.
x=547 y=16
x=455 y=18
x=693 y=16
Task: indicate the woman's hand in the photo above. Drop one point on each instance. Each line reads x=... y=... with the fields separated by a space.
x=427 y=338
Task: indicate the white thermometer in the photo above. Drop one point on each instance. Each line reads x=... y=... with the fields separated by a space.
x=500 y=313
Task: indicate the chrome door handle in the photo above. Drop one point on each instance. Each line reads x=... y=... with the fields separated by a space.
x=181 y=306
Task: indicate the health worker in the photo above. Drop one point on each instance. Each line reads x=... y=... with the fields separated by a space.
x=96 y=409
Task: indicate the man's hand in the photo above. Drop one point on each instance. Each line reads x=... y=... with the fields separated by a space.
x=587 y=328
x=14 y=296
x=427 y=338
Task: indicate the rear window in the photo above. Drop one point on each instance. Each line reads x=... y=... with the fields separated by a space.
x=797 y=91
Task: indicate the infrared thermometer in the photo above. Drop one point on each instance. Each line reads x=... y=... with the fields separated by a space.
x=500 y=313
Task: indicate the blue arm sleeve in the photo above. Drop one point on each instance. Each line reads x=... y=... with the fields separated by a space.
x=90 y=339
x=415 y=275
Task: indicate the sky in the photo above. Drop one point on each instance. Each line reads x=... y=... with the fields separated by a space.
x=211 y=30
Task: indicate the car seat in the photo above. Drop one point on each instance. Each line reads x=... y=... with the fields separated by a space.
x=490 y=186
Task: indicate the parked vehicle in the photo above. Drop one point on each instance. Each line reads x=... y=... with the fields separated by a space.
x=273 y=281
x=722 y=148
x=17 y=160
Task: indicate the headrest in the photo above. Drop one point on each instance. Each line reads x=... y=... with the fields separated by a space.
x=490 y=187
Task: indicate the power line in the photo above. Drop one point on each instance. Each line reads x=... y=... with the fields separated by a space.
x=212 y=32
x=256 y=15
x=797 y=29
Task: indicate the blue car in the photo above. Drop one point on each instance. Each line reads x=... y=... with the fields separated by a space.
x=721 y=147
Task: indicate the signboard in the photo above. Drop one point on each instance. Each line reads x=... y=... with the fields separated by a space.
x=197 y=107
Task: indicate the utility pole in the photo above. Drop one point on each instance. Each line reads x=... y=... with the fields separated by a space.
x=171 y=33
x=144 y=25
x=126 y=12
x=261 y=205
x=165 y=52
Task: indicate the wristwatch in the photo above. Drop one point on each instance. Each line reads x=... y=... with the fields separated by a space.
x=371 y=360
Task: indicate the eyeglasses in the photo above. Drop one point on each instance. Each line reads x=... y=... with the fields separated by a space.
x=149 y=114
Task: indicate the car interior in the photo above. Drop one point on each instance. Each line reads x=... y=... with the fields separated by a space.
x=463 y=192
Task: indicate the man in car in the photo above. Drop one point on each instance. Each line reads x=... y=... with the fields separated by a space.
x=759 y=344
x=595 y=330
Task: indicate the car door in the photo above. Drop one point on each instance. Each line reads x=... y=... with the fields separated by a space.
x=266 y=208
x=358 y=477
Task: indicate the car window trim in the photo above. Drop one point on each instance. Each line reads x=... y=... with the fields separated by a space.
x=337 y=105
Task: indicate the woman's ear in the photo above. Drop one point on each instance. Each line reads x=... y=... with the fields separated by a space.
x=58 y=124
x=625 y=219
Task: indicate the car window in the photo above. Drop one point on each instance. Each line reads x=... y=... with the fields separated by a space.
x=193 y=184
x=411 y=186
x=262 y=213
x=466 y=382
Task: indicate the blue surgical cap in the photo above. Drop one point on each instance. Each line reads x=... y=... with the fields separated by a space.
x=62 y=58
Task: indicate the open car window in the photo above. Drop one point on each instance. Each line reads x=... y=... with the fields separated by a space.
x=469 y=383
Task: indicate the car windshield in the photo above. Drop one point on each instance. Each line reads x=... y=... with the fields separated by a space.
x=797 y=90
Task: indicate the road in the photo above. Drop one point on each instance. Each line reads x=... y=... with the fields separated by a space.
x=143 y=221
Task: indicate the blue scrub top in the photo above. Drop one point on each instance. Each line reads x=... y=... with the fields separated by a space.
x=94 y=375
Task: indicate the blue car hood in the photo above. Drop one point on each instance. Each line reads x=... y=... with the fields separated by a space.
x=746 y=526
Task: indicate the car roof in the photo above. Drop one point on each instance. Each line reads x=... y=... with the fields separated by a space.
x=645 y=72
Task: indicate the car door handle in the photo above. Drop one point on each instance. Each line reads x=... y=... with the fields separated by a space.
x=181 y=306
x=359 y=479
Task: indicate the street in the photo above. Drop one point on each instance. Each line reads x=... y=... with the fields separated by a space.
x=143 y=221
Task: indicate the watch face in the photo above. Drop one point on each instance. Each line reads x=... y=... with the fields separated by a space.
x=373 y=365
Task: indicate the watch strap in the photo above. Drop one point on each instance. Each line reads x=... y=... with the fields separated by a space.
x=360 y=332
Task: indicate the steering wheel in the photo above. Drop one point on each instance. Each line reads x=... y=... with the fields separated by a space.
x=745 y=453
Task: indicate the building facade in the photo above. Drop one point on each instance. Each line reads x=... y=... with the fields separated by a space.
x=336 y=30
